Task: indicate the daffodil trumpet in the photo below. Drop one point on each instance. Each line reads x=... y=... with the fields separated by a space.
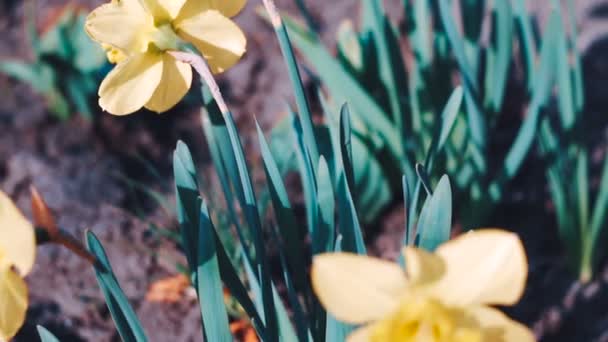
x=138 y=36
x=444 y=296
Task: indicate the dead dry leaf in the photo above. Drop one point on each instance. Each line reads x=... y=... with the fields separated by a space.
x=168 y=290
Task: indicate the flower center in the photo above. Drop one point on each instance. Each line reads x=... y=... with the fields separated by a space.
x=427 y=320
x=113 y=54
x=163 y=38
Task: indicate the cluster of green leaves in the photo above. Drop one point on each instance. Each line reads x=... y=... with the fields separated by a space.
x=396 y=105
x=326 y=186
x=210 y=266
x=327 y=189
x=66 y=68
x=566 y=146
x=325 y=157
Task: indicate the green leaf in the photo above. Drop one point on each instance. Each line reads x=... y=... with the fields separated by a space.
x=566 y=91
x=475 y=114
x=349 y=222
x=407 y=238
x=346 y=148
x=498 y=58
x=300 y=95
x=299 y=317
x=472 y=23
x=344 y=88
x=186 y=197
x=214 y=128
x=89 y=56
x=560 y=189
x=220 y=135
x=237 y=289
x=286 y=330
x=209 y=285
x=45 y=335
x=310 y=21
x=124 y=316
x=600 y=209
x=307 y=175
x=449 y=115
x=288 y=225
x=366 y=177
x=526 y=41
x=79 y=97
x=390 y=62
x=435 y=220
x=28 y=73
x=582 y=186
x=350 y=49
x=252 y=216
x=448 y=118
x=457 y=44
x=577 y=70
x=323 y=234
x=418 y=13
x=540 y=96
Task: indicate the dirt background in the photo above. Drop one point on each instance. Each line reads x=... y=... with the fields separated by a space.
x=76 y=164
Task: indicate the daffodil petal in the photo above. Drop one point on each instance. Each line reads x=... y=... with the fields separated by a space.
x=17 y=237
x=483 y=267
x=13 y=303
x=228 y=8
x=131 y=84
x=360 y=335
x=164 y=10
x=422 y=267
x=218 y=38
x=174 y=84
x=498 y=327
x=357 y=289
x=121 y=24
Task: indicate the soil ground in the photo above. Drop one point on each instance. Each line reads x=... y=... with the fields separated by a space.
x=77 y=166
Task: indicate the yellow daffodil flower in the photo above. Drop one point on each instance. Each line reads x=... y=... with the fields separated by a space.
x=439 y=297
x=17 y=252
x=137 y=34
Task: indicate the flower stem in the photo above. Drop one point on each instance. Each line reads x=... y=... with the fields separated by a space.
x=200 y=65
x=65 y=239
x=69 y=242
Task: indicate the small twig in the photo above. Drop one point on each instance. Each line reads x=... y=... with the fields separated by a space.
x=49 y=232
x=65 y=239
x=69 y=242
x=200 y=65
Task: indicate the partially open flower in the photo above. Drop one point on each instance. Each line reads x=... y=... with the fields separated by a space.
x=439 y=297
x=17 y=253
x=137 y=34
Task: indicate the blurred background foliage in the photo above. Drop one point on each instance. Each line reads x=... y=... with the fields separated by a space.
x=66 y=67
x=396 y=80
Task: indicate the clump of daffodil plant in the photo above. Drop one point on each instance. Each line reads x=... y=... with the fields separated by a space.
x=444 y=296
x=439 y=297
x=17 y=253
x=139 y=35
